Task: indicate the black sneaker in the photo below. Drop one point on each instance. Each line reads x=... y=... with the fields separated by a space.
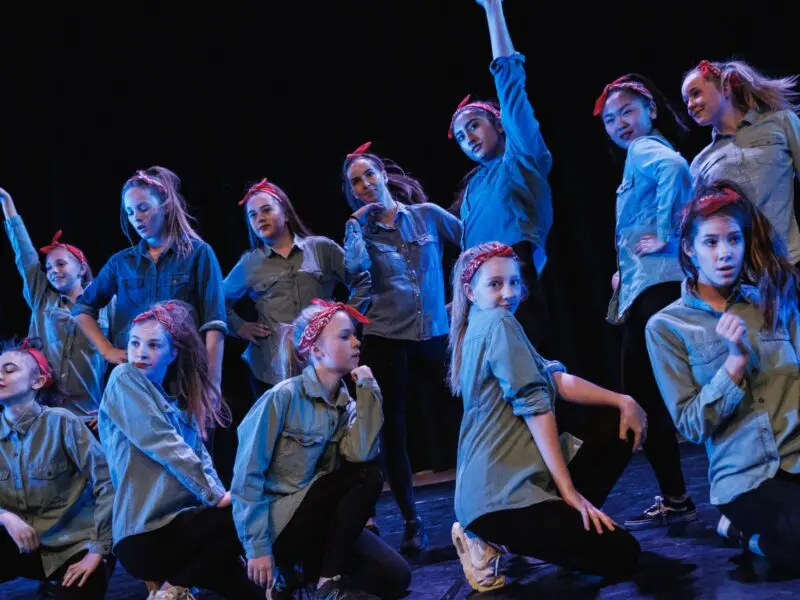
x=663 y=514
x=729 y=532
x=415 y=539
x=335 y=589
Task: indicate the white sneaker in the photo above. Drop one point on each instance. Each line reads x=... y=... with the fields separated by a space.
x=174 y=593
x=479 y=560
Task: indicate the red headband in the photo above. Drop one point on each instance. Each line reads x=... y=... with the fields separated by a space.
x=261 y=186
x=708 y=205
x=465 y=104
x=149 y=180
x=69 y=248
x=162 y=314
x=41 y=361
x=320 y=320
x=496 y=249
x=360 y=150
x=708 y=70
x=621 y=83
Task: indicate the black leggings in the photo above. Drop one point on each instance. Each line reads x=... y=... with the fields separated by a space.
x=197 y=548
x=393 y=362
x=14 y=564
x=771 y=511
x=553 y=531
x=661 y=446
x=326 y=533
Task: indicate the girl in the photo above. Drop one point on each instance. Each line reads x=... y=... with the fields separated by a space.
x=306 y=480
x=172 y=518
x=507 y=196
x=755 y=139
x=655 y=187
x=170 y=261
x=51 y=296
x=55 y=490
x=285 y=268
x=513 y=486
x=726 y=358
x=397 y=235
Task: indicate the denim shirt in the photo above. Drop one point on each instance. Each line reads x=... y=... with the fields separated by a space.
x=763 y=157
x=290 y=438
x=54 y=476
x=159 y=464
x=281 y=287
x=78 y=367
x=508 y=199
x=503 y=380
x=749 y=431
x=138 y=282
x=655 y=187
x=405 y=262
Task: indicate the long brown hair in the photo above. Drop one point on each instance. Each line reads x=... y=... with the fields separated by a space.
x=165 y=186
x=766 y=264
x=402 y=186
x=296 y=225
x=189 y=372
x=751 y=89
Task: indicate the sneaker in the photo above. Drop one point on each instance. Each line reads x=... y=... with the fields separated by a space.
x=729 y=531
x=479 y=560
x=174 y=593
x=415 y=539
x=663 y=514
x=335 y=589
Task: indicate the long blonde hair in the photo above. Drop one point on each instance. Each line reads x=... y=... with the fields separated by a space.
x=288 y=362
x=751 y=89
x=164 y=185
x=459 y=312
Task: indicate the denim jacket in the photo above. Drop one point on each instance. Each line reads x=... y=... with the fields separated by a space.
x=291 y=437
x=282 y=287
x=405 y=262
x=749 y=430
x=159 y=464
x=54 y=476
x=78 y=367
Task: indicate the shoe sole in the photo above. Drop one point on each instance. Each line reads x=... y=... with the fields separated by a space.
x=656 y=523
x=459 y=538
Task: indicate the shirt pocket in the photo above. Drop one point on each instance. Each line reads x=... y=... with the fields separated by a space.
x=296 y=456
x=769 y=150
x=57 y=323
x=49 y=484
x=706 y=358
x=134 y=291
x=265 y=288
x=386 y=257
x=180 y=287
x=777 y=353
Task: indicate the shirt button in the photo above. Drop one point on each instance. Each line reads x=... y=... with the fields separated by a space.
x=761 y=401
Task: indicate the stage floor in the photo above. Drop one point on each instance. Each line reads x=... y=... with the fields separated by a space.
x=686 y=563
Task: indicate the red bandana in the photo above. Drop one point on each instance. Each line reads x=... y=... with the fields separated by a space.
x=161 y=314
x=360 y=150
x=707 y=70
x=319 y=321
x=261 y=186
x=496 y=249
x=69 y=248
x=621 y=83
x=41 y=361
x=465 y=104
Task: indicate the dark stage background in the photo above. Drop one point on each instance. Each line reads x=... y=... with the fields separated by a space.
x=237 y=91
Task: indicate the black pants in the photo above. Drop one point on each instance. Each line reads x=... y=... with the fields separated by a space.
x=394 y=363
x=257 y=387
x=772 y=511
x=532 y=314
x=553 y=531
x=326 y=533
x=638 y=380
x=197 y=548
x=14 y=564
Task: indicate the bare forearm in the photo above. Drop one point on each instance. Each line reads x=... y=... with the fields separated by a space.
x=579 y=391
x=545 y=433
x=498 y=30
x=91 y=330
x=215 y=345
